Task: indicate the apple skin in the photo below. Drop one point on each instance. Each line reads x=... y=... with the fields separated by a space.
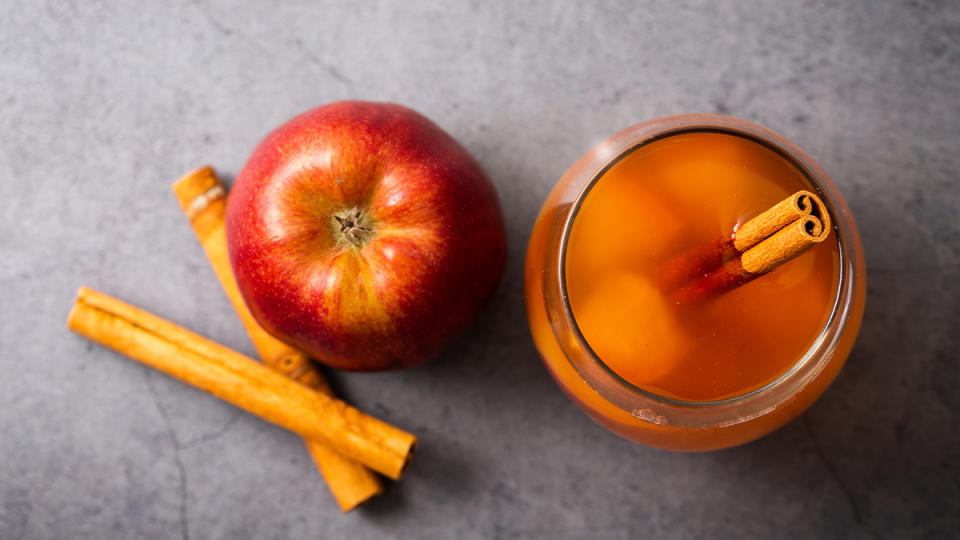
x=364 y=235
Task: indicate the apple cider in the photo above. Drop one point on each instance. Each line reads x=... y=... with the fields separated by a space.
x=687 y=375
x=660 y=200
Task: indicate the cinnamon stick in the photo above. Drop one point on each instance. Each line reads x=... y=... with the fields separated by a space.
x=202 y=197
x=241 y=381
x=780 y=247
x=708 y=257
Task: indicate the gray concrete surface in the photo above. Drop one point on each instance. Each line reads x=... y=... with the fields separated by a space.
x=104 y=104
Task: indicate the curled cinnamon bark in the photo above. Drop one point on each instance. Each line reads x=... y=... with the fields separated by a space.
x=202 y=197
x=241 y=381
x=783 y=232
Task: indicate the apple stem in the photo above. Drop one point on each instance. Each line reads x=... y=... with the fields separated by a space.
x=352 y=226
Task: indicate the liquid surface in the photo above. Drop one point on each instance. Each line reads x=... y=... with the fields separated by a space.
x=659 y=201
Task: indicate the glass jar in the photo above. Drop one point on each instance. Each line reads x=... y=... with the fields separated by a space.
x=646 y=417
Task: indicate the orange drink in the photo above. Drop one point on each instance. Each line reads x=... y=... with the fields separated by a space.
x=661 y=368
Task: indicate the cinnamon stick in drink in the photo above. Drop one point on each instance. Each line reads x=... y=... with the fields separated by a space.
x=780 y=247
x=202 y=197
x=704 y=259
x=241 y=381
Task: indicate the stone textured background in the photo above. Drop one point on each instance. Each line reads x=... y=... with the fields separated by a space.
x=104 y=104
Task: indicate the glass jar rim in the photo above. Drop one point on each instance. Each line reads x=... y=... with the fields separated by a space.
x=660 y=409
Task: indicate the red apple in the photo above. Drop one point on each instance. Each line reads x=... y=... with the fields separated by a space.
x=364 y=235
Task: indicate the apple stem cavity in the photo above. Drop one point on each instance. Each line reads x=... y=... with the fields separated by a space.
x=351 y=227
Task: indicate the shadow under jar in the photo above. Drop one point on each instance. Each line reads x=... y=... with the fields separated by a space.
x=729 y=369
